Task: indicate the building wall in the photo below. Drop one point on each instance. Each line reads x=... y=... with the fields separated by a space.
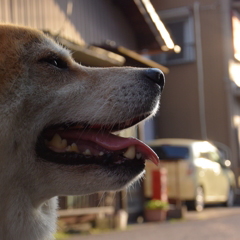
x=180 y=113
x=89 y=21
x=217 y=116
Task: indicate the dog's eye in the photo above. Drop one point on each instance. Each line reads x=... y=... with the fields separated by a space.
x=56 y=62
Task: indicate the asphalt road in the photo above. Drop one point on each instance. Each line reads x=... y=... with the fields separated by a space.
x=212 y=224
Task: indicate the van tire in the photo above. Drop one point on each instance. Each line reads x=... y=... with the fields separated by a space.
x=198 y=203
x=230 y=199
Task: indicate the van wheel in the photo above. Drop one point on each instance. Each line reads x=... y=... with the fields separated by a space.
x=231 y=198
x=198 y=203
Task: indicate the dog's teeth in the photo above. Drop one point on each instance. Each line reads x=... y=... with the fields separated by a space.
x=69 y=149
x=56 y=141
x=130 y=153
x=64 y=143
x=74 y=148
x=101 y=154
x=87 y=152
x=138 y=155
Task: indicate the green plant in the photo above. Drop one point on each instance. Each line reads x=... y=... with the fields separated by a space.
x=156 y=204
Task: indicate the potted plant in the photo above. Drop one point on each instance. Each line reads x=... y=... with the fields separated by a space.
x=155 y=210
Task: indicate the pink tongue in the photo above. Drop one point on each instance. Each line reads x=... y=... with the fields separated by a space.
x=111 y=142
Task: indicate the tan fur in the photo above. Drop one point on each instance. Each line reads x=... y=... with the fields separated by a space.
x=35 y=94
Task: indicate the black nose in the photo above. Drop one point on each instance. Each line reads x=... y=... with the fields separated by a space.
x=155 y=75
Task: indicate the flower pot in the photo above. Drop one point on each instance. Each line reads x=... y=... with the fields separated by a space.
x=155 y=215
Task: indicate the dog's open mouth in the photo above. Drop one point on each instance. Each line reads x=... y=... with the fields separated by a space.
x=72 y=144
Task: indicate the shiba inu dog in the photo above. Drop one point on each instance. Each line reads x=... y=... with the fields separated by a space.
x=57 y=119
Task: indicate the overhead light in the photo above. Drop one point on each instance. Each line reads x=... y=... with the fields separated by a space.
x=159 y=24
x=177 y=49
x=164 y=48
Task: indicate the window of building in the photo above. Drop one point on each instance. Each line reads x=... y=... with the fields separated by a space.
x=180 y=25
x=236 y=34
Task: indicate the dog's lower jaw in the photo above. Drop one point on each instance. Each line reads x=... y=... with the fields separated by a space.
x=20 y=220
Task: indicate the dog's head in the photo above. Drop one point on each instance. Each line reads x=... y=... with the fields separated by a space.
x=57 y=117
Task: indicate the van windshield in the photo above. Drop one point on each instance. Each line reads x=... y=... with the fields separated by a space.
x=171 y=152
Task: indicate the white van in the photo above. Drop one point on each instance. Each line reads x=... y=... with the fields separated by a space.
x=196 y=172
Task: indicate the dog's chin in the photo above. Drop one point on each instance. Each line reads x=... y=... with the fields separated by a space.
x=119 y=180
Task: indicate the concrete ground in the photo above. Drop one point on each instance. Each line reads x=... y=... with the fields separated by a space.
x=215 y=223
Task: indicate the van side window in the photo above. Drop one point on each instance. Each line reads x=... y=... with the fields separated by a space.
x=172 y=152
x=204 y=155
x=214 y=156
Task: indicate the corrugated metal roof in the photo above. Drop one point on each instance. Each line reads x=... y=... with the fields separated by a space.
x=90 y=22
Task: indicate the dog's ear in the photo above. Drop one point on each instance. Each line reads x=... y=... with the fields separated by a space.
x=15 y=44
x=5 y=47
x=5 y=54
x=9 y=63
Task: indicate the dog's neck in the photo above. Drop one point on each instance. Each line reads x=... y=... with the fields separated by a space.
x=23 y=221
x=24 y=213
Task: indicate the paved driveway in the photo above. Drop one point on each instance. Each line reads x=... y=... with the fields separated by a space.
x=211 y=224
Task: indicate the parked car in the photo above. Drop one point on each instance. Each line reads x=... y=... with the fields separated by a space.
x=197 y=173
